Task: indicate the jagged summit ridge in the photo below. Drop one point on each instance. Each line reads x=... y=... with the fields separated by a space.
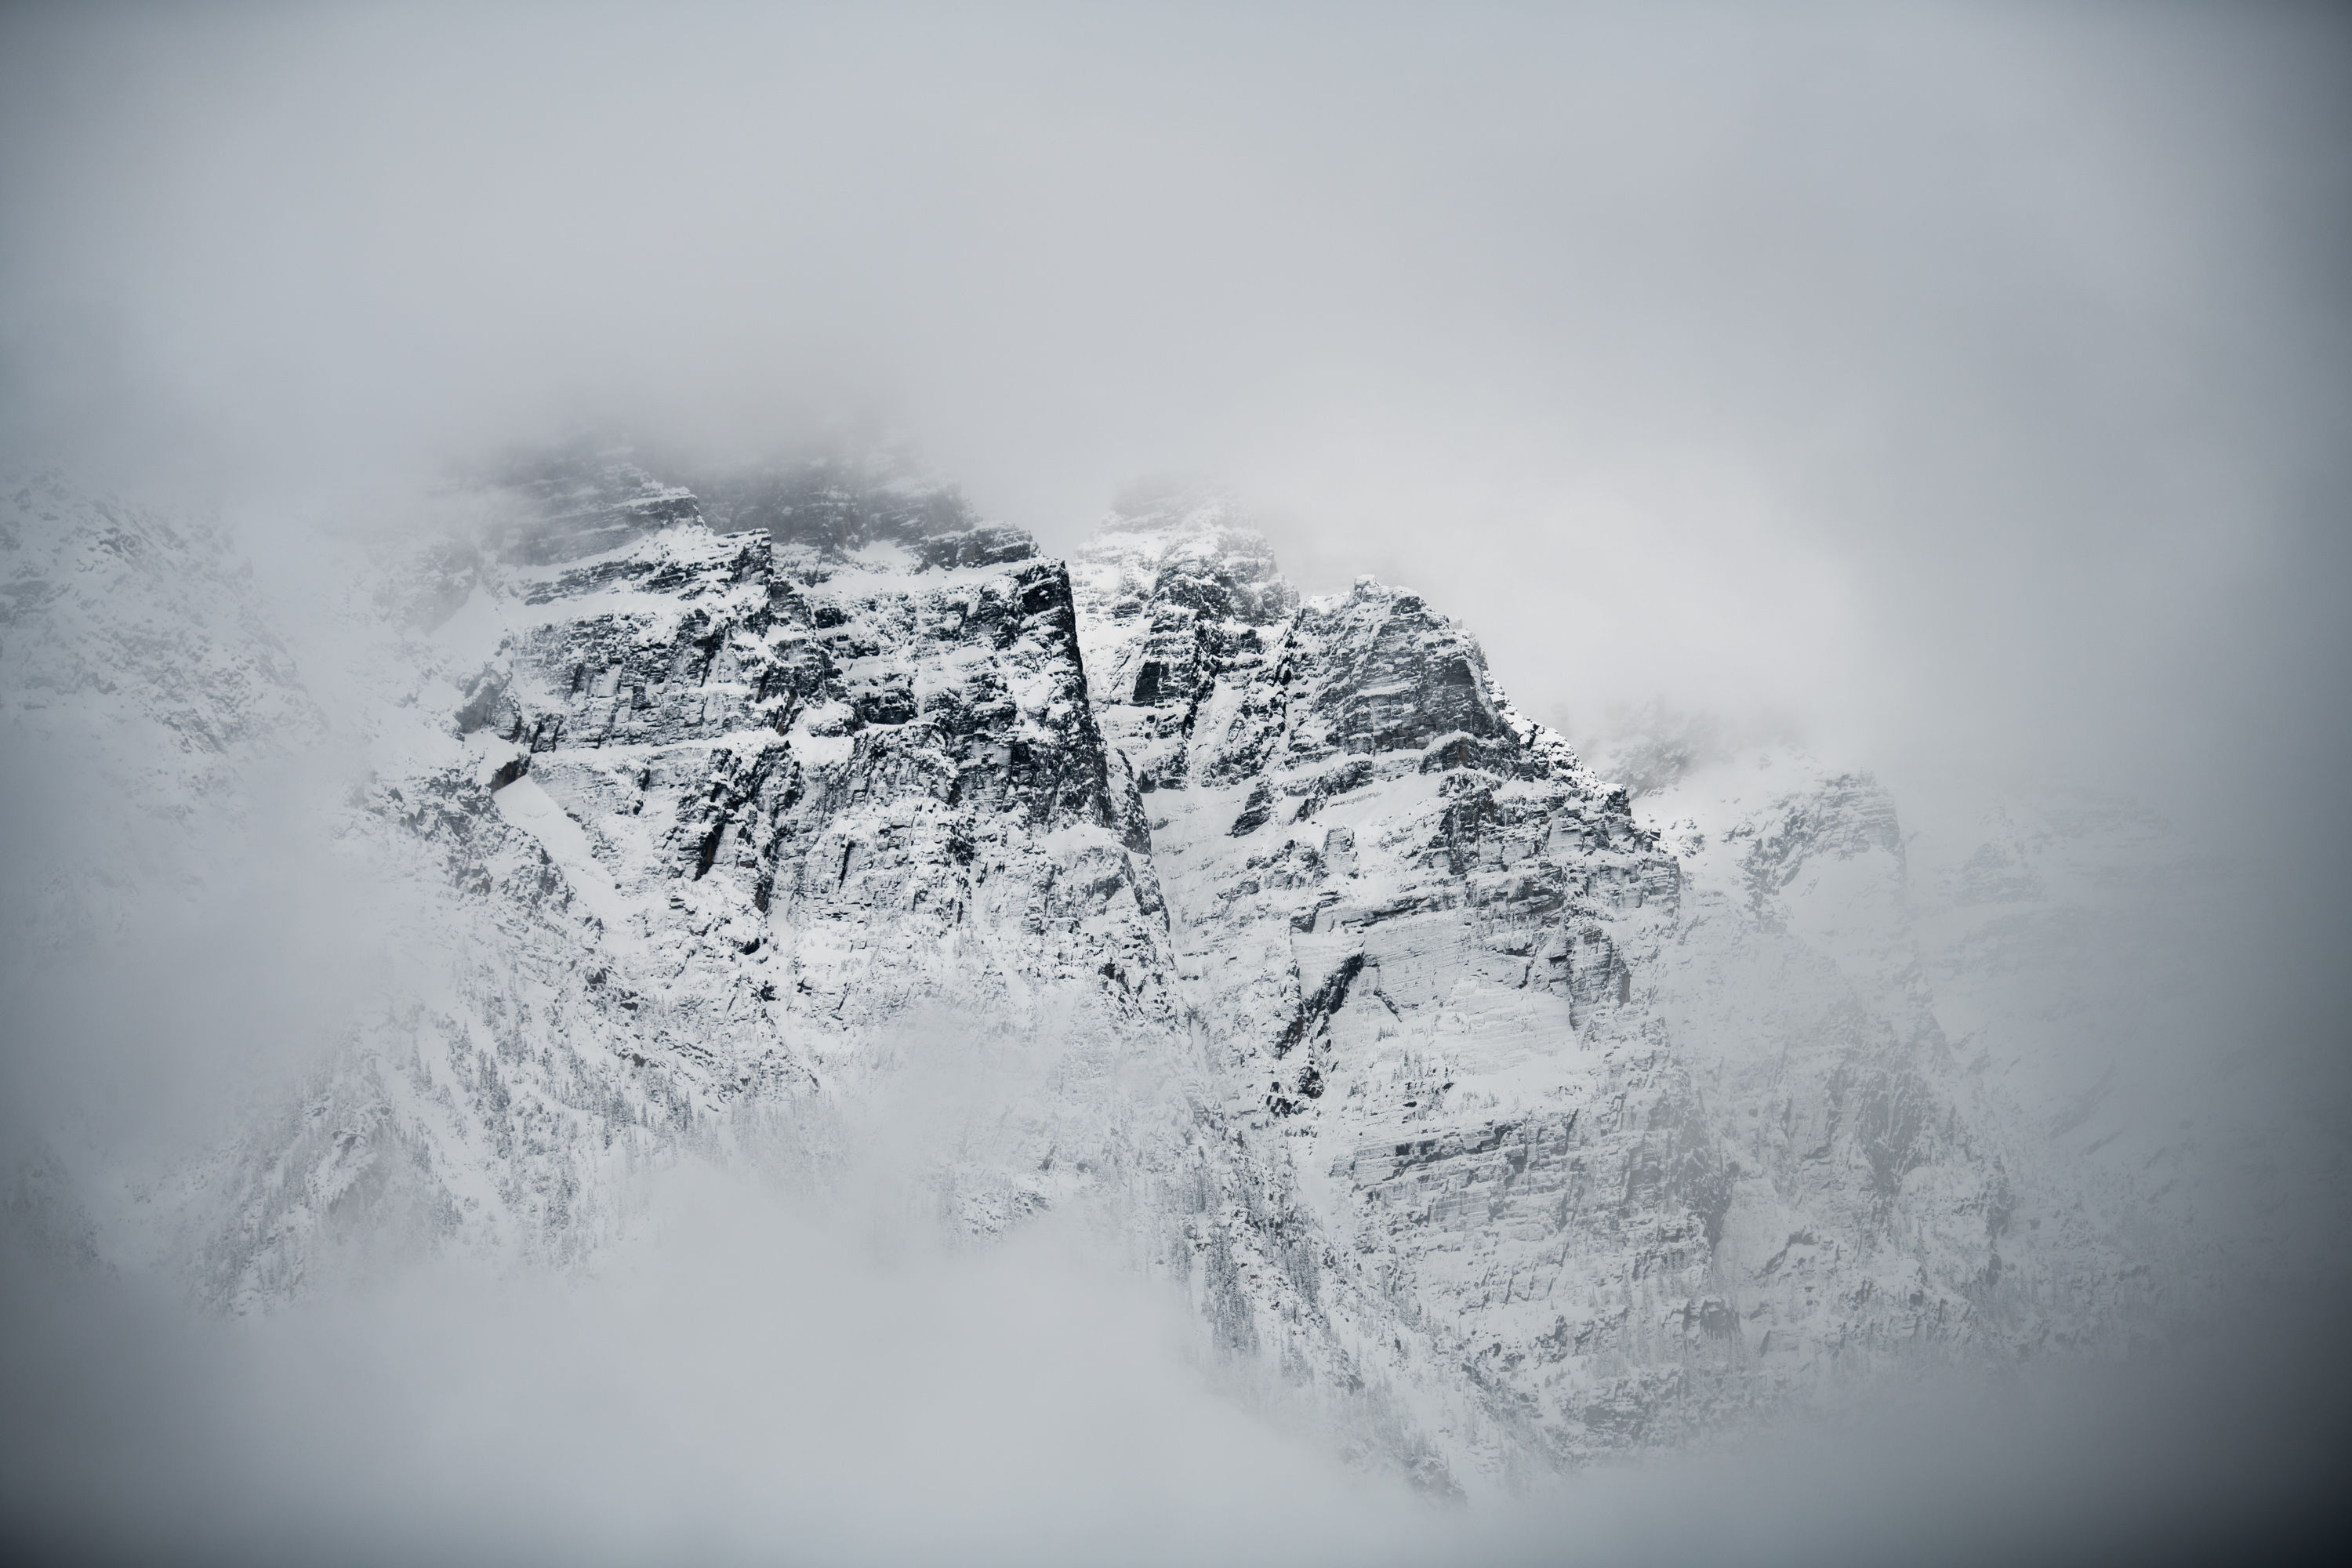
x=1456 y=979
x=820 y=515
x=1524 y=1128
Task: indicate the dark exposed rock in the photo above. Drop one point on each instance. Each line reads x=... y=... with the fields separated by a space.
x=1406 y=1049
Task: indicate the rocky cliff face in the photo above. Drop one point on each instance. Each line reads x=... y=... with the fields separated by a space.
x=724 y=823
x=1627 y=1139
x=1511 y=1124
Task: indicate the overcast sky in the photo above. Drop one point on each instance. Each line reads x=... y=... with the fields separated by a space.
x=1965 y=388
x=1968 y=389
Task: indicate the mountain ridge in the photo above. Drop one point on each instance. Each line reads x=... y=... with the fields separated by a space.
x=1520 y=1129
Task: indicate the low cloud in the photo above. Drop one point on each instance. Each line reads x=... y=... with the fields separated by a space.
x=1958 y=390
x=750 y=1379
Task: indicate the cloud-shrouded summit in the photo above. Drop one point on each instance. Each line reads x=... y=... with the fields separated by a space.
x=1969 y=379
x=1686 y=794
x=1476 y=1119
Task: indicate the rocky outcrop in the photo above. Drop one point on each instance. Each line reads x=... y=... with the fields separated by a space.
x=1508 y=1120
x=762 y=815
x=1507 y=1041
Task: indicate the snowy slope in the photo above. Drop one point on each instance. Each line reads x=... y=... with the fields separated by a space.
x=1504 y=1123
x=1640 y=1137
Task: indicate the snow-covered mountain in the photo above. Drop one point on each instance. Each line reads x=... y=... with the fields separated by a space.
x=1508 y=1119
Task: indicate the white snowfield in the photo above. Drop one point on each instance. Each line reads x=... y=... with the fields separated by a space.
x=1512 y=1121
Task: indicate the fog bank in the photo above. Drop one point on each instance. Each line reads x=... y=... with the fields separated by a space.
x=754 y=1380
x=1960 y=391
x=1966 y=380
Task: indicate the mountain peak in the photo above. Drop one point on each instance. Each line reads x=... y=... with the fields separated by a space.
x=821 y=512
x=1528 y=1131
